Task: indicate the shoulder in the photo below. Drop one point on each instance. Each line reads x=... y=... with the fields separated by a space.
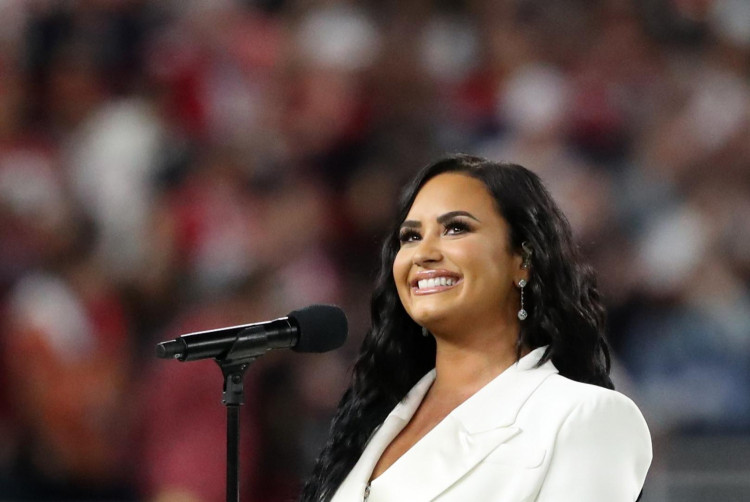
x=565 y=396
x=570 y=411
x=560 y=404
x=599 y=443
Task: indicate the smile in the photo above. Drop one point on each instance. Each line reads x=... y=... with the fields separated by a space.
x=437 y=281
x=433 y=282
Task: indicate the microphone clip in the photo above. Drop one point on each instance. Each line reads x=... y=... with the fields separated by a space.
x=251 y=343
x=234 y=381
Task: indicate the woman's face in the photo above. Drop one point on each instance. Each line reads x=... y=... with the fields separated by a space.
x=455 y=268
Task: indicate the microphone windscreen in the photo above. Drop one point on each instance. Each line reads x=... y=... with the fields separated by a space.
x=321 y=328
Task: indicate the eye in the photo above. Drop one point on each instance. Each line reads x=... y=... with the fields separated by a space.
x=455 y=227
x=408 y=235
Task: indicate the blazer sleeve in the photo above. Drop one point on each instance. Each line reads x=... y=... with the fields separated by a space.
x=602 y=452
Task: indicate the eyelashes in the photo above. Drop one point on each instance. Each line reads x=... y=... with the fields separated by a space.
x=457 y=226
x=408 y=235
x=451 y=227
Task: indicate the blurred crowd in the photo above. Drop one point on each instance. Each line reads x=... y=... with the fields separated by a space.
x=176 y=165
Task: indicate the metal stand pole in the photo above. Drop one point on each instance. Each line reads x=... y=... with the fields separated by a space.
x=233 y=463
x=233 y=398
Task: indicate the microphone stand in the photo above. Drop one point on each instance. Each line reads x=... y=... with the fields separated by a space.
x=233 y=397
x=234 y=364
x=251 y=342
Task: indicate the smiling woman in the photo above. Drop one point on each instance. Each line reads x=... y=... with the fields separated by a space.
x=485 y=374
x=468 y=245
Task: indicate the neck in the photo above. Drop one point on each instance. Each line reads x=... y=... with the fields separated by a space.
x=466 y=364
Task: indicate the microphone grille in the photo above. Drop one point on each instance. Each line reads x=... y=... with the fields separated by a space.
x=321 y=328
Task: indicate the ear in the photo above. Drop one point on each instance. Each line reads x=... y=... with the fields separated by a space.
x=524 y=261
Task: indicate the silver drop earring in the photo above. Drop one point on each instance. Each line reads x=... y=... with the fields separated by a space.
x=425 y=333
x=522 y=314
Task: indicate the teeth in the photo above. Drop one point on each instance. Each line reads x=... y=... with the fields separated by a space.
x=435 y=282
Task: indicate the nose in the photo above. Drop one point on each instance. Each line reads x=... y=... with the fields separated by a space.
x=427 y=251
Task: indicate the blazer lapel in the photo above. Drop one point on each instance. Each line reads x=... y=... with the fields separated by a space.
x=464 y=438
x=353 y=487
x=497 y=404
x=436 y=462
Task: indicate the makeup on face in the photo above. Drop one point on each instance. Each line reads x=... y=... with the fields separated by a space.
x=454 y=256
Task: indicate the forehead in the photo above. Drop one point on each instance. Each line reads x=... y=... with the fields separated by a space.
x=451 y=192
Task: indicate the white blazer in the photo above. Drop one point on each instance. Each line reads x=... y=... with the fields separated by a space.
x=528 y=435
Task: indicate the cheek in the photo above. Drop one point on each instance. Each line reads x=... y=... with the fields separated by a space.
x=486 y=265
x=473 y=256
x=400 y=274
x=401 y=265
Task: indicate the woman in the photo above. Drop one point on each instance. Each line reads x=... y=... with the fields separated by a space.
x=485 y=374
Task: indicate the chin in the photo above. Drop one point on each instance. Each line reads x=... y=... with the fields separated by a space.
x=429 y=315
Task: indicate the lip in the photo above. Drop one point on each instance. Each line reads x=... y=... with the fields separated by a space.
x=430 y=274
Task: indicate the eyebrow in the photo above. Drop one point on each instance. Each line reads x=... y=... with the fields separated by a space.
x=440 y=219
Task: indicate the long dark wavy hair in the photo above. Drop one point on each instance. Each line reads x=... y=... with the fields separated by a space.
x=565 y=313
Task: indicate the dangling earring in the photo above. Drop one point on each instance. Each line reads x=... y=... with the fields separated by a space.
x=425 y=333
x=522 y=314
x=527 y=252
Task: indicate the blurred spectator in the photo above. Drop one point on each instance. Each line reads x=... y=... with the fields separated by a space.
x=67 y=362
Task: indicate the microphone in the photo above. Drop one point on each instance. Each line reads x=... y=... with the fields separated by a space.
x=316 y=328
